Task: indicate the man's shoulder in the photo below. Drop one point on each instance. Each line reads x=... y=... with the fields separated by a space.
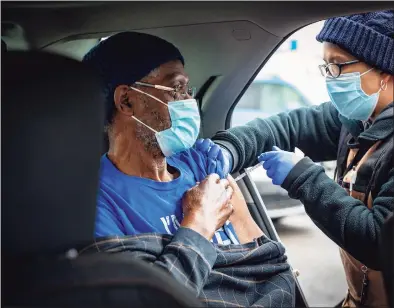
x=180 y=157
x=188 y=157
x=111 y=179
x=197 y=162
x=183 y=161
x=200 y=164
x=106 y=166
x=108 y=173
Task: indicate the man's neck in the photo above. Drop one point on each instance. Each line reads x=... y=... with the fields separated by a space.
x=132 y=159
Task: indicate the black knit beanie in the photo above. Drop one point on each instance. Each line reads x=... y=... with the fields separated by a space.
x=369 y=37
x=127 y=57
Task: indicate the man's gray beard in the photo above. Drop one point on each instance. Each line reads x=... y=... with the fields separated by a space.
x=148 y=139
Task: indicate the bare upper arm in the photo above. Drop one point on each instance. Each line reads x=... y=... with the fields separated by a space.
x=241 y=211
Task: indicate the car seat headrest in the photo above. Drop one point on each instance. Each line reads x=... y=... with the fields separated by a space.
x=52 y=119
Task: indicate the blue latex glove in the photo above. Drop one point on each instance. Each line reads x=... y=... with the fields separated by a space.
x=278 y=164
x=216 y=160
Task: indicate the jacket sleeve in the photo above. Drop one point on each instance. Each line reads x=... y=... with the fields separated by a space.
x=344 y=219
x=189 y=258
x=314 y=130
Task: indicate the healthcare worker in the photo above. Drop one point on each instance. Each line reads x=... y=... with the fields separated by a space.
x=355 y=128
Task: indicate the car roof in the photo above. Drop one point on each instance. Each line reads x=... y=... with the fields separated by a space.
x=225 y=44
x=52 y=21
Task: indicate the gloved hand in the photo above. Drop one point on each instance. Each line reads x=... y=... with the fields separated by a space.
x=217 y=161
x=278 y=164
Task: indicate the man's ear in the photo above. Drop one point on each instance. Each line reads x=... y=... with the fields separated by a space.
x=122 y=100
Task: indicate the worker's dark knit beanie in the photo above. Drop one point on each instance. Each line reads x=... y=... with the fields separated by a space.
x=127 y=57
x=368 y=37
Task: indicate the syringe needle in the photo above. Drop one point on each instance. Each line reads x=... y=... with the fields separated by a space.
x=241 y=176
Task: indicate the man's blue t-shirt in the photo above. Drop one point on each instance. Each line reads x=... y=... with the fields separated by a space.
x=129 y=205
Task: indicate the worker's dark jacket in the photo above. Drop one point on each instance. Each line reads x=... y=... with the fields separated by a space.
x=316 y=131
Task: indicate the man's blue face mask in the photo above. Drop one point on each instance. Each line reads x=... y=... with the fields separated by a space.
x=349 y=98
x=185 y=125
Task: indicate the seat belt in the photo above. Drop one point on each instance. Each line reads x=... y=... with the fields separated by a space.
x=271 y=232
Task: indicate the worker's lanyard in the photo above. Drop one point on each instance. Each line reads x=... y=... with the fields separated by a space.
x=362 y=149
x=352 y=165
x=360 y=153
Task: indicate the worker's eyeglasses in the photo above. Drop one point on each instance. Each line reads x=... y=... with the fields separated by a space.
x=178 y=92
x=334 y=70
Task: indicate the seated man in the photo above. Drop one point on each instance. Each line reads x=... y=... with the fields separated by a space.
x=159 y=189
x=152 y=123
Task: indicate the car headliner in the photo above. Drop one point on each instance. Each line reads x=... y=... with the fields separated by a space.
x=228 y=40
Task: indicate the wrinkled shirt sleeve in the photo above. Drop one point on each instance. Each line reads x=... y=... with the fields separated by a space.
x=201 y=165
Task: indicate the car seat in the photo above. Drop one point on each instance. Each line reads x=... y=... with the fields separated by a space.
x=52 y=119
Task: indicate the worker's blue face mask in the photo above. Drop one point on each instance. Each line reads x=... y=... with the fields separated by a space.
x=185 y=125
x=349 y=98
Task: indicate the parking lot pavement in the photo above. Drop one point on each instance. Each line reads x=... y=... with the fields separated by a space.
x=316 y=257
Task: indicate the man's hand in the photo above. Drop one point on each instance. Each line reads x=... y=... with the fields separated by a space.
x=207 y=206
x=278 y=164
x=216 y=155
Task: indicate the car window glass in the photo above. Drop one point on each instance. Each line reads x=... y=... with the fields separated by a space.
x=251 y=99
x=292 y=99
x=272 y=101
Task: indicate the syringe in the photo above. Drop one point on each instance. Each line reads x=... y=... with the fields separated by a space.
x=241 y=176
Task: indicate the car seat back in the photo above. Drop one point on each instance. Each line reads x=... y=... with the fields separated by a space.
x=96 y=280
x=52 y=116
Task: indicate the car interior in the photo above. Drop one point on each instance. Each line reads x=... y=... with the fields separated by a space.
x=52 y=114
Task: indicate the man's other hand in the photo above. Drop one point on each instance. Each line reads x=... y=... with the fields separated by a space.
x=207 y=206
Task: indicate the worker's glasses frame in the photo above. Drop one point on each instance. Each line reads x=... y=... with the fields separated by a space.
x=179 y=91
x=334 y=70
